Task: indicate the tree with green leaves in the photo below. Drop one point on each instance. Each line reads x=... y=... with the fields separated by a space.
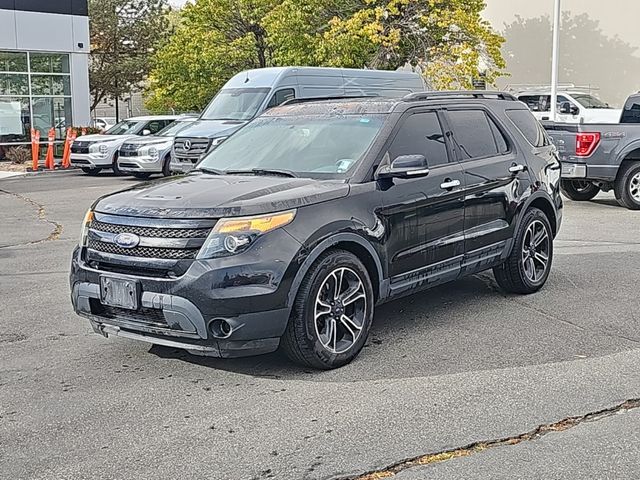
x=125 y=35
x=447 y=40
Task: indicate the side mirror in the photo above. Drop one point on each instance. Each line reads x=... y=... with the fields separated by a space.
x=565 y=108
x=405 y=166
x=146 y=131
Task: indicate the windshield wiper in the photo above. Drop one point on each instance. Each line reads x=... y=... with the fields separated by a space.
x=263 y=171
x=212 y=171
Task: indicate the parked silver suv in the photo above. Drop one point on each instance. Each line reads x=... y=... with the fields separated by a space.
x=144 y=156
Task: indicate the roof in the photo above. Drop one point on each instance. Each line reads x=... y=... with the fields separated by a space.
x=373 y=105
x=147 y=118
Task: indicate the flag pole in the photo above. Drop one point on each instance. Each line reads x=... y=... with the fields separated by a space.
x=554 y=61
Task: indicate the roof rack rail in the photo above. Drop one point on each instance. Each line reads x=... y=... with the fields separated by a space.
x=412 y=97
x=293 y=101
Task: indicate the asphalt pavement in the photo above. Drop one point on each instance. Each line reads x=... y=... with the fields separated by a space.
x=463 y=368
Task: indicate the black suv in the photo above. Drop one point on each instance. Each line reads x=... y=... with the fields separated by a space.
x=291 y=231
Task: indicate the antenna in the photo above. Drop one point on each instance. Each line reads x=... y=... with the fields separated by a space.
x=246 y=80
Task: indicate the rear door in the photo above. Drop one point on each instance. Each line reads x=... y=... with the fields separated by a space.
x=423 y=217
x=490 y=189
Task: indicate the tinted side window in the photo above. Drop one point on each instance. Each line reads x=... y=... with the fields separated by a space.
x=281 y=96
x=421 y=134
x=631 y=112
x=472 y=134
x=529 y=127
x=155 y=126
x=532 y=101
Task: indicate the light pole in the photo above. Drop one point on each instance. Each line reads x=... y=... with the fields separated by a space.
x=554 y=60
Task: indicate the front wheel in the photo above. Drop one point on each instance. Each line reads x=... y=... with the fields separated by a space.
x=166 y=166
x=527 y=268
x=579 y=190
x=332 y=314
x=114 y=165
x=627 y=186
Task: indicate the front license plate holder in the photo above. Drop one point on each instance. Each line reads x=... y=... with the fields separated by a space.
x=119 y=292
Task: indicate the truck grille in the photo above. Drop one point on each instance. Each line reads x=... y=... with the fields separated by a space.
x=144 y=252
x=128 y=150
x=191 y=148
x=80 y=147
x=154 y=232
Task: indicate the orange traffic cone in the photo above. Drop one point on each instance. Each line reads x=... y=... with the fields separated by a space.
x=66 y=157
x=48 y=162
x=34 y=152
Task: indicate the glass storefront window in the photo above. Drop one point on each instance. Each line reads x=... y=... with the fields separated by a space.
x=14 y=84
x=50 y=85
x=13 y=61
x=49 y=63
x=15 y=119
x=35 y=90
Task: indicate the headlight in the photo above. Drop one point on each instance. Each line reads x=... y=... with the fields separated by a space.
x=150 y=151
x=103 y=148
x=234 y=235
x=216 y=141
x=84 y=232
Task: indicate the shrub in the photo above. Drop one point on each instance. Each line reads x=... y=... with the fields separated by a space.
x=90 y=130
x=19 y=155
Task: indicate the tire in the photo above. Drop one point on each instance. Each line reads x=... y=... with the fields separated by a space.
x=579 y=190
x=627 y=186
x=521 y=272
x=114 y=165
x=142 y=175
x=91 y=171
x=330 y=342
x=166 y=170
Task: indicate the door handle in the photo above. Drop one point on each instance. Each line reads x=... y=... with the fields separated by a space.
x=448 y=184
x=517 y=168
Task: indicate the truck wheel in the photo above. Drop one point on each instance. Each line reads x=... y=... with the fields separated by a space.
x=627 y=186
x=527 y=268
x=579 y=190
x=332 y=314
x=91 y=171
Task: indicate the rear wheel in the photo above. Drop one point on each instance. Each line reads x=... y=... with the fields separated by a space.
x=91 y=171
x=527 y=268
x=142 y=175
x=627 y=186
x=332 y=313
x=579 y=190
x=114 y=164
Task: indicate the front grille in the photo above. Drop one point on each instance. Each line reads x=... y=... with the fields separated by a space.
x=197 y=147
x=148 y=316
x=144 y=252
x=79 y=161
x=80 y=147
x=127 y=153
x=151 y=231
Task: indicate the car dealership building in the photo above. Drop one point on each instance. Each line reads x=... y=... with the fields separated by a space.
x=44 y=75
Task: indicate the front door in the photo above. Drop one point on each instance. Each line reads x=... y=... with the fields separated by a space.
x=491 y=189
x=423 y=217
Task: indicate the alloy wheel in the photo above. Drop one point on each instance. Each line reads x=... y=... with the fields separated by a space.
x=536 y=248
x=340 y=309
x=634 y=187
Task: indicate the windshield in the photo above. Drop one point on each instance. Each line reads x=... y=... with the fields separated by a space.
x=173 y=128
x=235 y=104
x=308 y=146
x=588 y=101
x=124 y=127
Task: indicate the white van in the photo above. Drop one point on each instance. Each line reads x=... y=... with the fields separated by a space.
x=575 y=104
x=251 y=92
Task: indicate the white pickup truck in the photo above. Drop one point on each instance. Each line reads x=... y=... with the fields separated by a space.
x=575 y=105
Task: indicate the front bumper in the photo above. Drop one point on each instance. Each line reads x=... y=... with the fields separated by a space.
x=250 y=294
x=90 y=160
x=140 y=164
x=182 y=165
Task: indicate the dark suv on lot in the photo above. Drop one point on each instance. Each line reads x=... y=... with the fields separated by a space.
x=290 y=232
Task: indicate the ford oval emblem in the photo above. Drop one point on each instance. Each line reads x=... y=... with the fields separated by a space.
x=127 y=240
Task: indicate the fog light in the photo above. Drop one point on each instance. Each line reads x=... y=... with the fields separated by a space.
x=232 y=243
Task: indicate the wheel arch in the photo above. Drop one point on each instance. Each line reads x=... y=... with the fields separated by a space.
x=350 y=242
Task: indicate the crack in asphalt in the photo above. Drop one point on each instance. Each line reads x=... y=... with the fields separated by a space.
x=478 y=447
x=42 y=216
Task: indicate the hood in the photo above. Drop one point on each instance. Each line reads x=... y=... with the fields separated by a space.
x=148 y=140
x=200 y=195
x=103 y=138
x=605 y=115
x=211 y=128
